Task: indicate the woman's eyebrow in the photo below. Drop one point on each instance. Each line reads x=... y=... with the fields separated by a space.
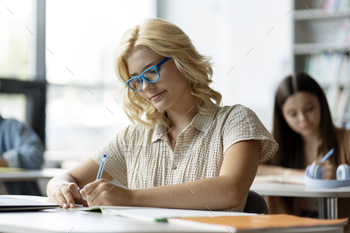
x=309 y=102
x=144 y=68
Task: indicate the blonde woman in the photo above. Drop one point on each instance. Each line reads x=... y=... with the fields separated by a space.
x=181 y=150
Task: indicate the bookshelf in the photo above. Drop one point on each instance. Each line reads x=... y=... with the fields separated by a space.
x=321 y=49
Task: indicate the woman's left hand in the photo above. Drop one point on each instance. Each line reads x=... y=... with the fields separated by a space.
x=329 y=169
x=103 y=192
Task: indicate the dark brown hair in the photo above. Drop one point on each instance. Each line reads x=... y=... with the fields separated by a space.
x=290 y=153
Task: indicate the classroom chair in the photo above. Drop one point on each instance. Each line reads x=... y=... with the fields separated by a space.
x=255 y=204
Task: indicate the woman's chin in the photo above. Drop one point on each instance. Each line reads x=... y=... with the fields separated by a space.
x=160 y=106
x=308 y=133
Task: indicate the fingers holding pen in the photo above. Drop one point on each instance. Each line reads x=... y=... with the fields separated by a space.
x=328 y=168
x=103 y=192
x=91 y=190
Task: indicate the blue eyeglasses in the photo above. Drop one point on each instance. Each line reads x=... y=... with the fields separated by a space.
x=150 y=75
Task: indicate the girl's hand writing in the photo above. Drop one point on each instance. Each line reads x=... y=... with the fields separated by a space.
x=103 y=192
x=329 y=169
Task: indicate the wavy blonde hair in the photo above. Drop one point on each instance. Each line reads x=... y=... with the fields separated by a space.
x=167 y=40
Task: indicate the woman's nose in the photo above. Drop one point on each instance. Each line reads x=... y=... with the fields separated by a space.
x=302 y=117
x=146 y=85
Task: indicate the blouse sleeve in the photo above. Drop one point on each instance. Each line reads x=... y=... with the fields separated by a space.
x=243 y=124
x=115 y=164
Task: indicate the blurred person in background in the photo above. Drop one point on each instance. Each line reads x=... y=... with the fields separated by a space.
x=20 y=147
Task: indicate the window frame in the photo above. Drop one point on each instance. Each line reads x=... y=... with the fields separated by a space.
x=35 y=89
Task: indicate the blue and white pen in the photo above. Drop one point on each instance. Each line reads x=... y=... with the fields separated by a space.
x=329 y=154
x=100 y=170
x=102 y=165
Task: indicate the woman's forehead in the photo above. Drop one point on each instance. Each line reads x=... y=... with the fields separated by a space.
x=300 y=99
x=139 y=59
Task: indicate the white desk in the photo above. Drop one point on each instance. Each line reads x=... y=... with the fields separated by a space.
x=327 y=197
x=63 y=221
x=46 y=173
x=74 y=222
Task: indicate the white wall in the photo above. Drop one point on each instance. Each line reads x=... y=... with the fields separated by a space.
x=238 y=34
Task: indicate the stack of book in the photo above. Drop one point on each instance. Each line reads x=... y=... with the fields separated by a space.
x=332 y=71
x=336 y=5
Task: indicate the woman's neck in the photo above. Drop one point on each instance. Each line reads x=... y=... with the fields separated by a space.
x=311 y=146
x=312 y=140
x=182 y=116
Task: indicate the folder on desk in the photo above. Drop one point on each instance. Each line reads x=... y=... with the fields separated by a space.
x=254 y=222
x=22 y=204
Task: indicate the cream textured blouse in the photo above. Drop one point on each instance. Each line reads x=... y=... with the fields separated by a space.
x=140 y=157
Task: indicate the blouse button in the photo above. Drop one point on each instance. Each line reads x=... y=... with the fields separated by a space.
x=174 y=167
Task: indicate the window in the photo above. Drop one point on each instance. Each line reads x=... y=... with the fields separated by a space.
x=81 y=112
x=13 y=105
x=16 y=32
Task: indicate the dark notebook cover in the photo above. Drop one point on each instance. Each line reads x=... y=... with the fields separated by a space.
x=20 y=204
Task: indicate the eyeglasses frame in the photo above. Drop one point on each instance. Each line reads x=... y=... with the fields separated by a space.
x=141 y=77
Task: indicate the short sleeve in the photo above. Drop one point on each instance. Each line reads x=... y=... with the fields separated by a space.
x=115 y=164
x=242 y=124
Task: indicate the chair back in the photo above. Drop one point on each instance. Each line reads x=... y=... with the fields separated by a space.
x=255 y=204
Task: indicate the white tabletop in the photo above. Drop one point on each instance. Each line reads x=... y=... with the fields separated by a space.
x=46 y=173
x=295 y=190
x=79 y=222
x=63 y=221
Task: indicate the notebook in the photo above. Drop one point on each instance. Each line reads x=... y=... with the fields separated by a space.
x=268 y=223
x=21 y=203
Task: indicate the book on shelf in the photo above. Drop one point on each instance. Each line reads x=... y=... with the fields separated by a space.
x=343 y=35
x=332 y=71
x=332 y=6
x=343 y=104
x=329 y=68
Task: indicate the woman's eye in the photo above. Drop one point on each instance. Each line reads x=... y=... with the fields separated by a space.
x=310 y=109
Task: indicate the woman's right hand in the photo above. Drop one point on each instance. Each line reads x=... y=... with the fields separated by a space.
x=329 y=169
x=67 y=195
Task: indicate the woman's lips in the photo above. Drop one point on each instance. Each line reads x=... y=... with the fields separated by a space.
x=157 y=96
x=305 y=127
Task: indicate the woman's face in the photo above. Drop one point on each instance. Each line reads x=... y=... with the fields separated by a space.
x=169 y=90
x=302 y=112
